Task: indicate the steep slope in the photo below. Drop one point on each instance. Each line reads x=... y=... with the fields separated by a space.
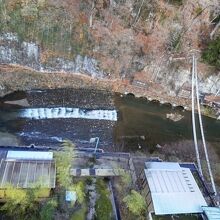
x=138 y=46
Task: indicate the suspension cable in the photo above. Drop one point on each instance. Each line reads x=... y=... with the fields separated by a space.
x=202 y=131
x=193 y=119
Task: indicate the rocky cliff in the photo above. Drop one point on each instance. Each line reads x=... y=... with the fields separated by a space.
x=135 y=46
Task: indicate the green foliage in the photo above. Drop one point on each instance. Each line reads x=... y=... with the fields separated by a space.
x=48 y=209
x=176 y=2
x=79 y=188
x=24 y=204
x=80 y=214
x=135 y=202
x=163 y=16
x=174 y=41
x=125 y=178
x=103 y=205
x=208 y=111
x=30 y=12
x=52 y=27
x=211 y=54
x=64 y=161
x=198 y=10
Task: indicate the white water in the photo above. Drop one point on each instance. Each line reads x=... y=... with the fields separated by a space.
x=62 y=112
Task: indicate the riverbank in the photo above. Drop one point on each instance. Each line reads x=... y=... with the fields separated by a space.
x=18 y=78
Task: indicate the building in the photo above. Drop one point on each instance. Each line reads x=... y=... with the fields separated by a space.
x=211 y=213
x=171 y=189
x=26 y=169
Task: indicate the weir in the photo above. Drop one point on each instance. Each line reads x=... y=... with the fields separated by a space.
x=62 y=112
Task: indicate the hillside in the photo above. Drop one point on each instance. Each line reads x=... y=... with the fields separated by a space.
x=135 y=46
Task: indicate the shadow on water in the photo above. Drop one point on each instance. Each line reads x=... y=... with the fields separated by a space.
x=144 y=124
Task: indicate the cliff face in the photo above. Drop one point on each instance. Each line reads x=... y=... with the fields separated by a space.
x=139 y=46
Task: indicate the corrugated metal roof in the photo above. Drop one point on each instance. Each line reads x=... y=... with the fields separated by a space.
x=30 y=155
x=212 y=213
x=161 y=165
x=173 y=189
x=27 y=173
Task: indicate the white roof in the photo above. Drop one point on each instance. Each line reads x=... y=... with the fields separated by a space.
x=30 y=155
x=162 y=165
x=71 y=196
x=173 y=189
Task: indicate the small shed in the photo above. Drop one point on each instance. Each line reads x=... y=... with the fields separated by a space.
x=27 y=169
x=71 y=196
x=171 y=189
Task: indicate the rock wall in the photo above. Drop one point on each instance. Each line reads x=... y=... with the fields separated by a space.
x=14 y=51
x=141 y=48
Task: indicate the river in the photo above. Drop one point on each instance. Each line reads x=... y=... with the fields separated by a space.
x=123 y=123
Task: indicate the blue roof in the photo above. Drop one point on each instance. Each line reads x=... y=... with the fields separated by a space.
x=212 y=213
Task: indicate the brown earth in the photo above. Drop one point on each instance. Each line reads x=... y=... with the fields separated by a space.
x=15 y=78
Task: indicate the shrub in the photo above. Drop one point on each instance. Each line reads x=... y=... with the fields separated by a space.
x=176 y=2
x=64 y=161
x=126 y=178
x=103 y=205
x=135 y=203
x=198 y=11
x=80 y=214
x=174 y=40
x=79 y=188
x=208 y=111
x=22 y=203
x=29 y=12
x=211 y=54
x=48 y=209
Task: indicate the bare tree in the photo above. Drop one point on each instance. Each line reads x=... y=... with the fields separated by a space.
x=91 y=14
x=214 y=30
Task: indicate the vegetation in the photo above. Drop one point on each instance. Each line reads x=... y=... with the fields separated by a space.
x=176 y=2
x=64 y=161
x=208 y=111
x=174 y=40
x=211 y=54
x=47 y=210
x=135 y=203
x=126 y=178
x=103 y=205
x=79 y=188
x=23 y=203
x=80 y=214
x=52 y=27
x=198 y=10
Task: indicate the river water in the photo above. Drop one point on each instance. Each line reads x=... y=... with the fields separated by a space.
x=139 y=117
x=123 y=123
